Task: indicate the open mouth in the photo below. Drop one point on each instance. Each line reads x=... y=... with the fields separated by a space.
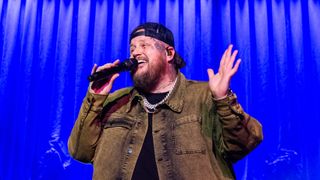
x=141 y=61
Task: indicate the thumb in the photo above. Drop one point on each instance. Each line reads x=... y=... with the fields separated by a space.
x=94 y=68
x=115 y=76
x=210 y=73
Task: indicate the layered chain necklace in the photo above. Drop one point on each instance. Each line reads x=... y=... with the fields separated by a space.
x=152 y=107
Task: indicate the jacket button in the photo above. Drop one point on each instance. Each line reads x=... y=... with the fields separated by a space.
x=129 y=150
x=155 y=131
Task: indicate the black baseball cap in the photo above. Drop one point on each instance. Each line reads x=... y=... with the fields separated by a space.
x=160 y=32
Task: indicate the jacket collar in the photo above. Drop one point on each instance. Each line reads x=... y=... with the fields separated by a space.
x=175 y=101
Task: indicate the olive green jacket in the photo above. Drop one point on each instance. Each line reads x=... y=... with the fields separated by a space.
x=195 y=137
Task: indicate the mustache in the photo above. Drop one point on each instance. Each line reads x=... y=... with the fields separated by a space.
x=142 y=58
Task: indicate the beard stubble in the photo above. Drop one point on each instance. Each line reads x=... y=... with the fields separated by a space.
x=148 y=80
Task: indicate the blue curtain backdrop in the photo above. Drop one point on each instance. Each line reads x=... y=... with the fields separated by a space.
x=47 y=49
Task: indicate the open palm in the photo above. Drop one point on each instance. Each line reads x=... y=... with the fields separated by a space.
x=219 y=83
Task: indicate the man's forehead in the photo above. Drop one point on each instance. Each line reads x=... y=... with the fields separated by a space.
x=140 y=39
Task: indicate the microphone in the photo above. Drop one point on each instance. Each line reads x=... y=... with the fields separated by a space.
x=126 y=65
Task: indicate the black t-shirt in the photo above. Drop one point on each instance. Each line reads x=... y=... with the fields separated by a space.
x=146 y=167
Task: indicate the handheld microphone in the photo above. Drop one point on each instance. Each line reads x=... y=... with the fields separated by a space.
x=126 y=65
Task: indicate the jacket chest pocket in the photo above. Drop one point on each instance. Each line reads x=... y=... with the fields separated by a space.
x=117 y=129
x=187 y=135
x=119 y=122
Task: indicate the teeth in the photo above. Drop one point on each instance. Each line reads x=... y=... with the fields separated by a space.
x=141 y=61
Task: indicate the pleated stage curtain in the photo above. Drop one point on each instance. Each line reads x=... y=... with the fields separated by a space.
x=48 y=47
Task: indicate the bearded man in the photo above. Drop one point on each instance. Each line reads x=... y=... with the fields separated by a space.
x=165 y=126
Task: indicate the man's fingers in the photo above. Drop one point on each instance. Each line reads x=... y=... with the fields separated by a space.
x=229 y=51
x=115 y=76
x=225 y=60
x=116 y=62
x=236 y=67
x=232 y=59
x=105 y=66
x=234 y=54
x=108 y=65
x=94 y=68
x=222 y=61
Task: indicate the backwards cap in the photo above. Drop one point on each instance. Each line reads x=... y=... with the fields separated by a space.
x=155 y=30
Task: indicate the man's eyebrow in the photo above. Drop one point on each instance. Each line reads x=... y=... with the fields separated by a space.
x=139 y=41
x=144 y=41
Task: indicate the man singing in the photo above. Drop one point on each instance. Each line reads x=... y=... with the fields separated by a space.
x=165 y=126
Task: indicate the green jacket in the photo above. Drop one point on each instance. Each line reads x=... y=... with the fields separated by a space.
x=195 y=137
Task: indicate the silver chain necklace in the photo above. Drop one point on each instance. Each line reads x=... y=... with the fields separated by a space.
x=152 y=107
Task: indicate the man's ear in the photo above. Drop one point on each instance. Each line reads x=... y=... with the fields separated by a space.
x=170 y=53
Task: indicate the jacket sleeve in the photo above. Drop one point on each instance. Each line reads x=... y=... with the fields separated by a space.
x=239 y=133
x=87 y=129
